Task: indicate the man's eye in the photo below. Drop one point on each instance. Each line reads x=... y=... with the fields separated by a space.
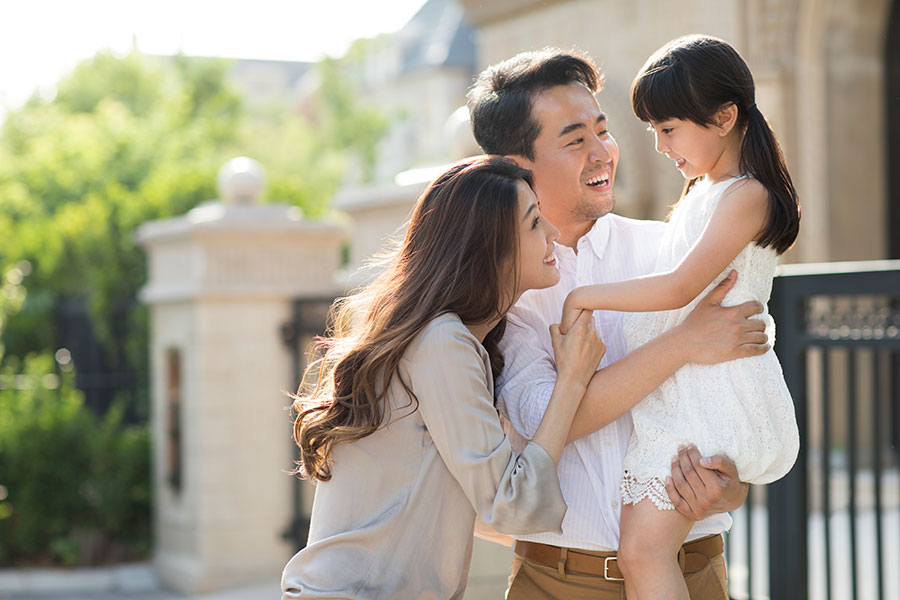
x=576 y=142
x=666 y=130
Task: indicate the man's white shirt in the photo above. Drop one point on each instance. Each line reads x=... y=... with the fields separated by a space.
x=590 y=468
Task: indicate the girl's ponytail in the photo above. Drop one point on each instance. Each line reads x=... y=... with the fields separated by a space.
x=762 y=158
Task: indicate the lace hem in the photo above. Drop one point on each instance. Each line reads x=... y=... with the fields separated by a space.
x=634 y=490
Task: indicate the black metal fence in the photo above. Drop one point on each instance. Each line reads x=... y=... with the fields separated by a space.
x=833 y=523
x=102 y=372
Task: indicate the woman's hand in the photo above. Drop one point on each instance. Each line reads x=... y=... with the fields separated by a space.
x=579 y=351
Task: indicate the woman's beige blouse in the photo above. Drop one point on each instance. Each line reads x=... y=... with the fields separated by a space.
x=396 y=519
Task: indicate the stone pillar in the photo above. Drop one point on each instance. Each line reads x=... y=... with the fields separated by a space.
x=221 y=281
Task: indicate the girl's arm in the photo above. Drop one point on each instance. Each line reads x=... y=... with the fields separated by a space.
x=737 y=220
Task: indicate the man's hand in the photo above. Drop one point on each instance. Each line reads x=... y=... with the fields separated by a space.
x=701 y=487
x=713 y=333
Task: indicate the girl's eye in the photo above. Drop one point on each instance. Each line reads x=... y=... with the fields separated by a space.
x=534 y=222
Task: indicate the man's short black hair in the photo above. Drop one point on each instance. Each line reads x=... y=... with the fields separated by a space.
x=500 y=100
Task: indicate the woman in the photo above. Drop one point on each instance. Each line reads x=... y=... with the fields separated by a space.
x=401 y=432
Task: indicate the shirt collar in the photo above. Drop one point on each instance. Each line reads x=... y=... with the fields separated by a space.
x=597 y=237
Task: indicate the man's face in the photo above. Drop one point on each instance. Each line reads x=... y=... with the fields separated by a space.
x=575 y=158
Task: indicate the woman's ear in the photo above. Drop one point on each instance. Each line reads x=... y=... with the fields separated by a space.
x=726 y=118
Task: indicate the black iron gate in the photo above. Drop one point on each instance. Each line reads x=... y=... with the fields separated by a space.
x=833 y=523
x=308 y=320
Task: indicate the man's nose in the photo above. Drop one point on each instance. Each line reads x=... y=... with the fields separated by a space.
x=600 y=152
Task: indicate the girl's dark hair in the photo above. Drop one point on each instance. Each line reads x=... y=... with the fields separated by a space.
x=690 y=79
x=459 y=255
x=501 y=98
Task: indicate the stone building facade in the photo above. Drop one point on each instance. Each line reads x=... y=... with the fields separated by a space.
x=820 y=68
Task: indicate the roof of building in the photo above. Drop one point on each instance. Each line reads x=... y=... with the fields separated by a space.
x=437 y=36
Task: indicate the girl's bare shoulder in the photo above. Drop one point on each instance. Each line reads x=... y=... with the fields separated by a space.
x=747 y=194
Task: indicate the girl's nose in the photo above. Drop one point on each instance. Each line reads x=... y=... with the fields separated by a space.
x=661 y=147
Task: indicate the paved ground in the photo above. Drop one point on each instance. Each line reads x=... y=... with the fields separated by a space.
x=262 y=591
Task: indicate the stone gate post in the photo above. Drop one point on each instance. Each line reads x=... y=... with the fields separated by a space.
x=220 y=285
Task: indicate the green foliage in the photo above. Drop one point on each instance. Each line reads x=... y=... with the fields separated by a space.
x=126 y=140
x=73 y=488
x=132 y=139
x=353 y=124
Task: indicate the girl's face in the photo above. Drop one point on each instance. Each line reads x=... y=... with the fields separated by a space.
x=537 y=253
x=696 y=150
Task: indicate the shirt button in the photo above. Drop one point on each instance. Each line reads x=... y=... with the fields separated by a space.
x=614 y=504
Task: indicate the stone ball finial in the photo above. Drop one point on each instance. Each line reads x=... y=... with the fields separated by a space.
x=458 y=132
x=241 y=180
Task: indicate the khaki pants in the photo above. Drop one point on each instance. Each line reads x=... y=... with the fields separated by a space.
x=532 y=581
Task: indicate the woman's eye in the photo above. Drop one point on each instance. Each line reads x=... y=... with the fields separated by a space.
x=666 y=130
x=534 y=222
x=575 y=142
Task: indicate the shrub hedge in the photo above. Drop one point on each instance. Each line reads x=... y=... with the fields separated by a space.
x=74 y=487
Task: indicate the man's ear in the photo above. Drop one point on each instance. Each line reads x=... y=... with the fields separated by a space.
x=726 y=118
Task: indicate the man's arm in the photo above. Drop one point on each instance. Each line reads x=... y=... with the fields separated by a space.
x=529 y=371
x=711 y=333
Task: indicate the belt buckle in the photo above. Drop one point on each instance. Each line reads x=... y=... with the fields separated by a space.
x=606 y=570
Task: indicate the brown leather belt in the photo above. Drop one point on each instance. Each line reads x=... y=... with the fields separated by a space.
x=693 y=556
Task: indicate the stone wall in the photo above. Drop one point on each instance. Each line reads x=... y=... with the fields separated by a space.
x=819 y=70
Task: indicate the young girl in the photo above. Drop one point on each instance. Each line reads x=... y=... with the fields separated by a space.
x=738 y=211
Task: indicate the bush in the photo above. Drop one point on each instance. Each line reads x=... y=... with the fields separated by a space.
x=74 y=488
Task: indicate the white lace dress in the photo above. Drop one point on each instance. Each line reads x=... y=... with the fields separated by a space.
x=741 y=408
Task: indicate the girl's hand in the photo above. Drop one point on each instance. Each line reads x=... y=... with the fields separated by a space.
x=579 y=351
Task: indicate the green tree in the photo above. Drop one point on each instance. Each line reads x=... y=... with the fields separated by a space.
x=124 y=141
x=131 y=139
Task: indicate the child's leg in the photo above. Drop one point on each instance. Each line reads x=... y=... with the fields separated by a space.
x=648 y=552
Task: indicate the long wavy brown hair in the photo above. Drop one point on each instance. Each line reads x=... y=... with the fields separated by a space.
x=459 y=255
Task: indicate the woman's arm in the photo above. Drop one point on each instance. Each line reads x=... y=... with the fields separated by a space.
x=737 y=220
x=511 y=493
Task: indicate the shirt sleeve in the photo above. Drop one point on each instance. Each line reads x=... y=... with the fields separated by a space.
x=529 y=373
x=513 y=494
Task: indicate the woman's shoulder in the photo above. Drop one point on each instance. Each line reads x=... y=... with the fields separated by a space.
x=443 y=334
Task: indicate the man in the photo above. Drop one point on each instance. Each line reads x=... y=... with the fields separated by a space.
x=539 y=109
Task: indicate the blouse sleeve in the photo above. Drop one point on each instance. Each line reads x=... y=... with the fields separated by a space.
x=513 y=494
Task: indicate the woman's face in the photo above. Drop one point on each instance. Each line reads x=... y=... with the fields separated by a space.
x=537 y=253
